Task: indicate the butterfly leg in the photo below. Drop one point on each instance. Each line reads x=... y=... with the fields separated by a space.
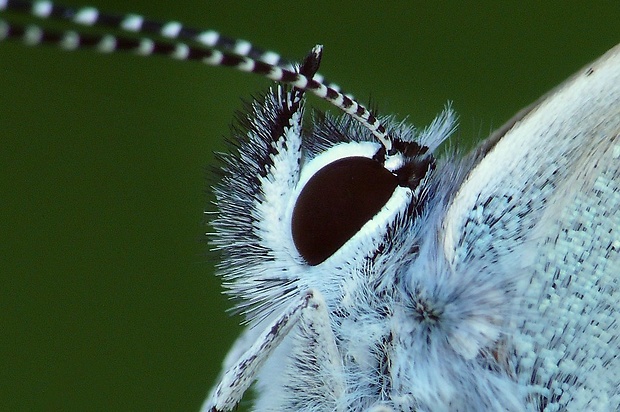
x=309 y=312
x=312 y=372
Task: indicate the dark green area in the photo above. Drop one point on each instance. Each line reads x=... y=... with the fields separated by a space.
x=108 y=300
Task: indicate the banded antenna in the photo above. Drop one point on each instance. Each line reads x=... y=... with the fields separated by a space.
x=172 y=39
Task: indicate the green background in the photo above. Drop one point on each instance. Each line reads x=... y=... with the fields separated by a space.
x=107 y=298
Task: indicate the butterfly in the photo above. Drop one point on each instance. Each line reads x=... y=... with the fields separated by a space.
x=435 y=302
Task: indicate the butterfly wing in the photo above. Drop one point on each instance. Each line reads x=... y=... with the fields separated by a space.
x=541 y=211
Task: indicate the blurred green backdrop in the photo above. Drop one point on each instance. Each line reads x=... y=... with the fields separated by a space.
x=108 y=299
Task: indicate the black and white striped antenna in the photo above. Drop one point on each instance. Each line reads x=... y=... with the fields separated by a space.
x=172 y=39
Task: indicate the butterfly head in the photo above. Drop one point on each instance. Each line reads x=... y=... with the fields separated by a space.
x=304 y=206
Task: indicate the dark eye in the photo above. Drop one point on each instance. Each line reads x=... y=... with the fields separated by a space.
x=336 y=202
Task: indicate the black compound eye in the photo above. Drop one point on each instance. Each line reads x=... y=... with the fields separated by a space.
x=336 y=202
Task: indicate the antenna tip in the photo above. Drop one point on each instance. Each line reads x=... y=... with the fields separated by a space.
x=312 y=61
x=317 y=50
